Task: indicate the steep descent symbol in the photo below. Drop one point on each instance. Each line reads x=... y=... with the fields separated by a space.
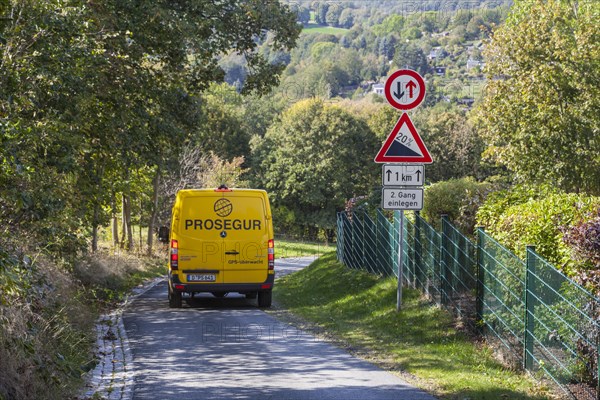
x=404 y=145
x=223 y=207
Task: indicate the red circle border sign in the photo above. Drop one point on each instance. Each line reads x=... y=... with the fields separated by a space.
x=388 y=89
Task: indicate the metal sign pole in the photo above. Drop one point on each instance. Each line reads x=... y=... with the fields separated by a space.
x=400 y=245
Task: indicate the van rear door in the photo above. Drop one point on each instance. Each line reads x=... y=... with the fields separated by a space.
x=200 y=245
x=246 y=237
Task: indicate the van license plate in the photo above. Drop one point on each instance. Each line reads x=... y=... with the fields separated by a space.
x=201 y=278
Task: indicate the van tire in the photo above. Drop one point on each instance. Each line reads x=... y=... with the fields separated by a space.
x=251 y=296
x=175 y=300
x=265 y=298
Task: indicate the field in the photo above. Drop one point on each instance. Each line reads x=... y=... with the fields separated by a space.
x=314 y=28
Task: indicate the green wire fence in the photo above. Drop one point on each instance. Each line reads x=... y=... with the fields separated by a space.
x=538 y=318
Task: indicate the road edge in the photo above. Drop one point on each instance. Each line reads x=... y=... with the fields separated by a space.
x=114 y=375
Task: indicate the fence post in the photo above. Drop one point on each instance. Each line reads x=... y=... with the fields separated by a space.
x=597 y=362
x=400 y=215
x=352 y=231
x=377 y=244
x=363 y=263
x=529 y=309
x=417 y=246
x=339 y=234
x=341 y=239
x=444 y=284
x=479 y=291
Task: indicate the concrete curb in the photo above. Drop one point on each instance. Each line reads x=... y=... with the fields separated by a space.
x=114 y=375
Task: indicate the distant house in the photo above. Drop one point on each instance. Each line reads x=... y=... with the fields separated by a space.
x=437 y=53
x=474 y=63
x=366 y=84
x=466 y=101
x=378 y=88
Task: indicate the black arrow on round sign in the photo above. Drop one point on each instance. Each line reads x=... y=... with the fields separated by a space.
x=399 y=93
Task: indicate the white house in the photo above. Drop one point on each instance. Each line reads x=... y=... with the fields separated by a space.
x=378 y=88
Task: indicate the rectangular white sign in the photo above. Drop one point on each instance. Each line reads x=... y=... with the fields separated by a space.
x=403 y=175
x=401 y=199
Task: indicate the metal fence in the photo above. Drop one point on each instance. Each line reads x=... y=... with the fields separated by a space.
x=538 y=318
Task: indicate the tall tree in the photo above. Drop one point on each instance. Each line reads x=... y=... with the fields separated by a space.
x=541 y=110
x=315 y=187
x=92 y=93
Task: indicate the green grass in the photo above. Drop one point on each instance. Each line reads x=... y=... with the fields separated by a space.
x=286 y=248
x=359 y=309
x=314 y=28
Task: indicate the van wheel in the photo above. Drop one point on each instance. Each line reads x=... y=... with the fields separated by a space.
x=175 y=300
x=265 y=299
x=251 y=296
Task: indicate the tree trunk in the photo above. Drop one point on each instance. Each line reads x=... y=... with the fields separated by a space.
x=123 y=222
x=115 y=222
x=129 y=227
x=152 y=222
x=329 y=236
x=127 y=231
x=95 y=230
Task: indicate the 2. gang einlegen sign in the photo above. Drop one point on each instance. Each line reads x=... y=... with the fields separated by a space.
x=402 y=198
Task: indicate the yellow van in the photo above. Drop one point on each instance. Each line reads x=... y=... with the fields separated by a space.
x=221 y=241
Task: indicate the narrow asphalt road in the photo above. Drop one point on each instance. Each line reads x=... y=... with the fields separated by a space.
x=229 y=349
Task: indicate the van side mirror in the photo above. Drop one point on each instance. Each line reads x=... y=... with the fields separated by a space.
x=163 y=234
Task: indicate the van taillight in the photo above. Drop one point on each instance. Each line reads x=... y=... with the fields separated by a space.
x=174 y=254
x=271 y=254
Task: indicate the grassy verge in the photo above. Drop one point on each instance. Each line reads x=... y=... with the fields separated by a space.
x=48 y=311
x=286 y=248
x=359 y=310
x=108 y=277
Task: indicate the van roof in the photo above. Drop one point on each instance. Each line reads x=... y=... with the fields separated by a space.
x=188 y=192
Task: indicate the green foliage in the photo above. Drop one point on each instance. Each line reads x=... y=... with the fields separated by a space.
x=412 y=56
x=222 y=122
x=96 y=99
x=314 y=159
x=541 y=111
x=498 y=202
x=457 y=198
x=321 y=49
x=523 y=216
x=453 y=142
x=392 y=24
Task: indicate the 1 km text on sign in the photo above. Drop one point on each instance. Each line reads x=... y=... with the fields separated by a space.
x=403 y=175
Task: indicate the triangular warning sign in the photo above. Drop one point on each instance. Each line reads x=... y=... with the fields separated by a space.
x=404 y=145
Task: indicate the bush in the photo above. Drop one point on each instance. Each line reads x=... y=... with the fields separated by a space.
x=538 y=217
x=45 y=330
x=499 y=201
x=458 y=198
x=584 y=241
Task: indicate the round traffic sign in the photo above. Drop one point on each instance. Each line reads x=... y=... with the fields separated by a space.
x=405 y=89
